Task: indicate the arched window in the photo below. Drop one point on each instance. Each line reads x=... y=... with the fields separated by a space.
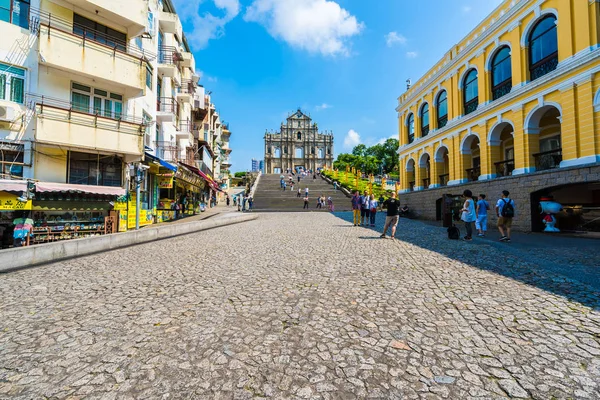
x=411 y=128
x=501 y=73
x=424 y=120
x=470 y=92
x=299 y=136
x=442 y=109
x=543 y=47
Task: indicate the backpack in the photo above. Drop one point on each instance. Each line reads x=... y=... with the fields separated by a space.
x=508 y=211
x=453 y=233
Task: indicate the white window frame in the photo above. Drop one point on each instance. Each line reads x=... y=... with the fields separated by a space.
x=109 y=97
x=7 y=72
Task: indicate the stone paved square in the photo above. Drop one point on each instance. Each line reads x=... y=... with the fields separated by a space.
x=299 y=305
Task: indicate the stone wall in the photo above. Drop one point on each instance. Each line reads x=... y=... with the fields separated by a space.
x=423 y=203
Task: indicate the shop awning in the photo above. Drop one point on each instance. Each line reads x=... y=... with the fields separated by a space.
x=162 y=162
x=7 y=185
x=46 y=187
x=207 y=178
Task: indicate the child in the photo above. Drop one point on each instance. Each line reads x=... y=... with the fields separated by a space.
x=481 y=221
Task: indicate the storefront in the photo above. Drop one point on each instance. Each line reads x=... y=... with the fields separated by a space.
x=179 y=194
x=11 y=207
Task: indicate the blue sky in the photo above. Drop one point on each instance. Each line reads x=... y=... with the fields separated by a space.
x=343 y=61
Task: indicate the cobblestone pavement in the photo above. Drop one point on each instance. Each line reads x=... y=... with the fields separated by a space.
x=298 y=306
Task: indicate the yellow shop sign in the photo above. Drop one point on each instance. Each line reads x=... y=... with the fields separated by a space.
x=165 y=181
x=10 y=202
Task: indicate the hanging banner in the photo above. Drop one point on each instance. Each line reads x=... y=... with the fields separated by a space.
x=10 y=202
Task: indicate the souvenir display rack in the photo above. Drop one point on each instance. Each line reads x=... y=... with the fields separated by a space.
x=69 y=225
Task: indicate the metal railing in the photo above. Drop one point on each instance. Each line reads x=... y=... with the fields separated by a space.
x=471 y=106
x=32 y=99
x=169 y=55
x=168 y=151
x=82 y=33
x=411 y=186
x=473 y=173
x=426 y=183
x=188 y=86
x=442 y=121
x=502 y=89
x=425 y=131
x=548 y=159
x=505 y=168
x=543 y=67
x=167 y=104
x=444 y=178
x=185 y=126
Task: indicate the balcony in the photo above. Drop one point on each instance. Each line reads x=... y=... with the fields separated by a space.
x=426 y=183
x=184 y=129
x=170 y=23
x=168 y=57
x=502 y=89
x=444 y=178
x=547 y=159
x=63 y=124
x=504 y=168
x=473 y=174
x=442 y=121
x=411 y=186
x=186 y=91
x=103 y=58
x=167 y=108
x=543 y=67
x=187 y=59
x=131 y=14
x=168 y=151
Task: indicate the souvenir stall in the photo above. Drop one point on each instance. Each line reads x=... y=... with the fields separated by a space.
x=12 y=206
x=179 y=195
x=63 y=211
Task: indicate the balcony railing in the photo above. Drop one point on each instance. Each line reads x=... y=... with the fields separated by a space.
x=185 y=127
x=505 y=168
x=167 y=104
x=426 y=183
x=543 y=67
x=471 y=106
x=168 y=55
x=187 y=86
x=168 y=151
x=32 y=99
x=444 y=178
x=502 y=89
x=425 y=131
x=547 y=159
x=411 y=186
x=55 y=22
x=442 y=121
x=473 y=174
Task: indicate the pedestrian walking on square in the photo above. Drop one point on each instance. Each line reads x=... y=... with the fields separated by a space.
x=306 y=191
x=234 y=201
x=364 y=208
x=372 y=209
x=319 y=205
x=468 y=214
x=381 y=200
x=299 y=193
x=250 y=203
x=356 y=203
x=482 y=215
x=244 y=200
x=330 y=204
x=228 y=201
x=305 y=202
x=392 y=217
x=505 y=210
x=284 y=186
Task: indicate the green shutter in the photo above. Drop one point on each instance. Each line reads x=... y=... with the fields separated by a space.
x=17 y=86
x=2 y=86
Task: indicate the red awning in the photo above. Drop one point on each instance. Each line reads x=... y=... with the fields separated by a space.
x=7 y=185
x=42 y=187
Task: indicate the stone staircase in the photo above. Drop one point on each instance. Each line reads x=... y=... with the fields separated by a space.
x=270 y=197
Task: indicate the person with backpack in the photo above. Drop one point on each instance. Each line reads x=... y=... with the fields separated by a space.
x=481 y=209
x=468 y=214
x=505 y=210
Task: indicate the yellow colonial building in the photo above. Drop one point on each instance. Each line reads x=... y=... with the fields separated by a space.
x=517 y=98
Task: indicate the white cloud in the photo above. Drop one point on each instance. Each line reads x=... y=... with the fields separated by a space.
x=206 y=26
x=412 y=54
x=466 y=9
x=383 y=140
x=352 y=139
x=317 y=26
x=394 y=37
x=323 y=106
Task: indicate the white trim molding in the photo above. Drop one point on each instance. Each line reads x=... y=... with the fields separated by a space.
x=538 y=16
x=580 y=161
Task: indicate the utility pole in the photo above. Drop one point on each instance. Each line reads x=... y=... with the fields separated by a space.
x=138 y=182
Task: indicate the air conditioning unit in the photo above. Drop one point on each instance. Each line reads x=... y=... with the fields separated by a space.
x=7 y=113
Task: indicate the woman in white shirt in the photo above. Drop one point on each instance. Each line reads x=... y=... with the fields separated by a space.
x=373 y=204
x=468 y=213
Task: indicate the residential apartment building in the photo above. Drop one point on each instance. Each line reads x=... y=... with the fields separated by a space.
x=513 y=106
x=89 y=91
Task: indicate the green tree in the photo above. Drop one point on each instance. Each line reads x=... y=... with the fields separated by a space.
x=239 y=174
x=360 y=150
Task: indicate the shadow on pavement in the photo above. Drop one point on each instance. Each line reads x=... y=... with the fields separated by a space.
x=569 y=267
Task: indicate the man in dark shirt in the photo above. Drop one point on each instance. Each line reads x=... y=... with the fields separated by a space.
x=393 y=209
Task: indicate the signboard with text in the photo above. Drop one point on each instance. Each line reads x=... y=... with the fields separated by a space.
x=10 y=202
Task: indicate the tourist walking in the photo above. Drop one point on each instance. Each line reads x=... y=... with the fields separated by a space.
x=244 y=200
x=356 y=203
x=234 y=201
x=392 y=217
x=299 y=193
x=306 y=191
x=284 y=186
x=330 y=204
x=381 y=200
x=250 y=203
x=505 y=210
x=298 y=178
x=364 y=208
x=372 y=209
x=305 y=202
x=482 y=215
x=335 y=185
x=319 y=205
x=468 y=214
x=291 y=186
x=228 y=201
